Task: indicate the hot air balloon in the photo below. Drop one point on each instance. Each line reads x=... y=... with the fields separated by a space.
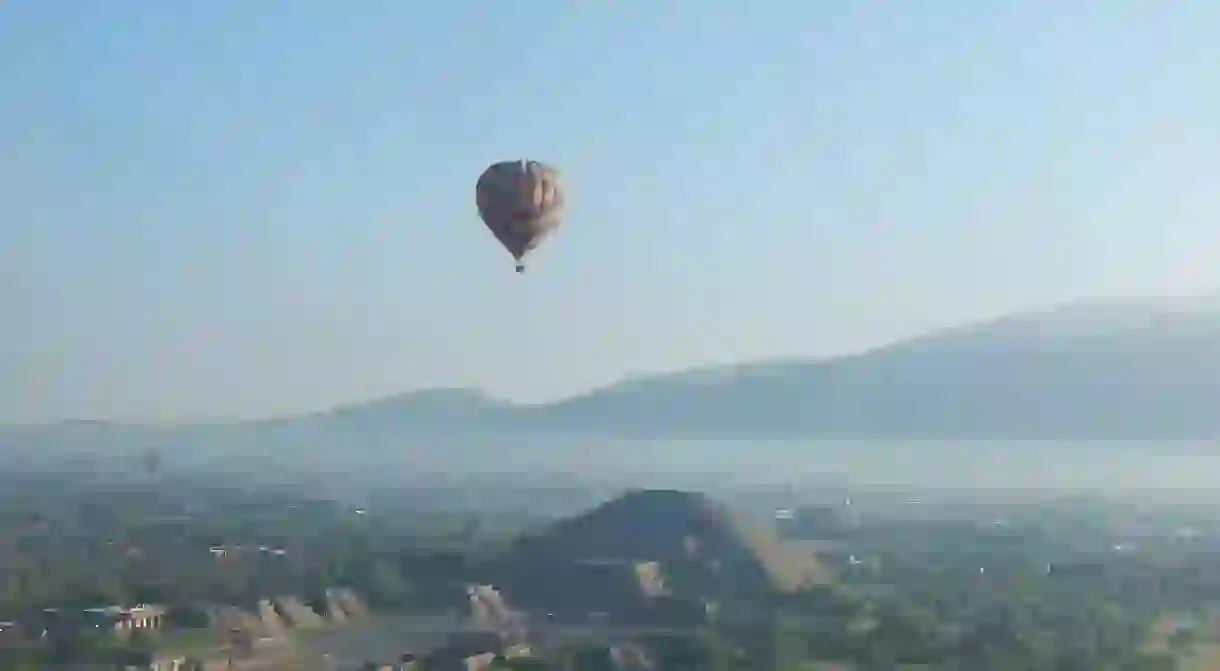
x=521 y=202
x=152 y=461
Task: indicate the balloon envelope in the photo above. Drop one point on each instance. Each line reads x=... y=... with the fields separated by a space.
x=521 y=203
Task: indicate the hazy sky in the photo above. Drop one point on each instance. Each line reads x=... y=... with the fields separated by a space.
x=236 y=208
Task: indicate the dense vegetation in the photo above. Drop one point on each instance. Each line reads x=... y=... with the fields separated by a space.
x=1055 y=589
x=94 y=547
x=1057 y=586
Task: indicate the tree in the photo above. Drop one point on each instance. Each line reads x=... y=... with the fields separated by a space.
x=141 y=640
x=386 y=586
x=1181 y=639
x=678 y=653
x=84 y=646
x=591 y=658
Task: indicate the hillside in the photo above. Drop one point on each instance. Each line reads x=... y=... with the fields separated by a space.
x=1138 y=369
x=1107 y=369
x=646 y=544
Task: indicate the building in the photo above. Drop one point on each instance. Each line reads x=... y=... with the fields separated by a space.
x=125 y=620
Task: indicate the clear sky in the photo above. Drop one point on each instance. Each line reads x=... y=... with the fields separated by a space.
x=234 y=208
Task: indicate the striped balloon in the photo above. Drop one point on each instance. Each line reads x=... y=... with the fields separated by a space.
x=521 y=202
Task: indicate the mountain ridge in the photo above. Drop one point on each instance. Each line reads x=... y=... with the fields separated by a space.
x=1114 y=369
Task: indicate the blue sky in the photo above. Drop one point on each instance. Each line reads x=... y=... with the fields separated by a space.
x=231 y=208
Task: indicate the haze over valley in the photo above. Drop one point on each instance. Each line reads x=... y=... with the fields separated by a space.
x=1100 y=394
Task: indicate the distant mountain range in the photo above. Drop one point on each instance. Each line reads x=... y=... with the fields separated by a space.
x=1121 y=369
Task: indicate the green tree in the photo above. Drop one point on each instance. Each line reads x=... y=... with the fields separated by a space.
x=1181 y=639
x=591 y=658
x=85 y=646
x=386 y=585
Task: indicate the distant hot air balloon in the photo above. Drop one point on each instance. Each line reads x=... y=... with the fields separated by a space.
x=152 y=461
x=521 y=202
